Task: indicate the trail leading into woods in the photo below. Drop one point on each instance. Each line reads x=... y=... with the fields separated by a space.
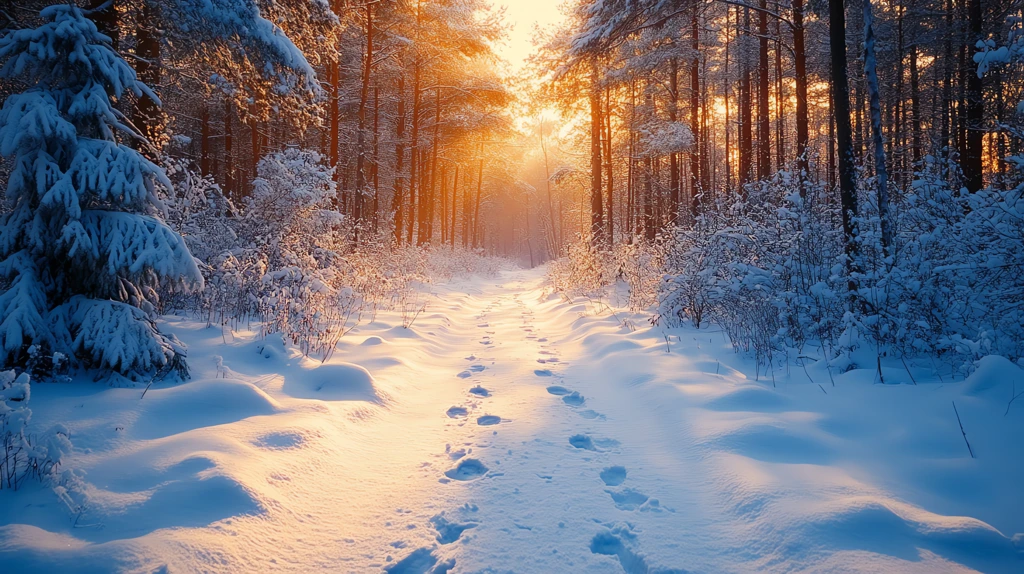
x=511 y=431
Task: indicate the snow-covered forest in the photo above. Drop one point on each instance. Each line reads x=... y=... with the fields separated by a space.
x=413 y=286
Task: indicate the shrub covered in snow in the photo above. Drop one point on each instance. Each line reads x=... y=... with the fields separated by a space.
x=82 y=244
x=286 y=259
x=584 y=272
x=589 y=272
x=773 y=273
x=25 y=455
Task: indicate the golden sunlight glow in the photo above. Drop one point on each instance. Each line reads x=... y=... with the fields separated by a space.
x=524 y=16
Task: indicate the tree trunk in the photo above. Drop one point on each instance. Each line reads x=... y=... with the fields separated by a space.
x=255 y=148
x=844 y=135
x=609 y=165
x=364 y=96
x=375 y=168
x=554 y=242
x=780 y=101
x=727 y=81
x=427 y=199
x=229 y=160
x=414 y=150
x=915 y=107
x=596 y=189
x=695 y=190
x=204 y=139
x=396 y=199
x=455 y=205
x=107 y=20
x=881 y=175
x=975 y=107
x=674 y=184
x=147 y=66
x=334 y=113
x=479 y=191
x=746 y=115
x=800 y=63
x=764 y=144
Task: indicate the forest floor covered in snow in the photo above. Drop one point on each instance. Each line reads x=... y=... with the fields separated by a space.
x=509 y=430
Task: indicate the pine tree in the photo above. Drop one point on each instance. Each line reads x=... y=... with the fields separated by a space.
x=82 y=244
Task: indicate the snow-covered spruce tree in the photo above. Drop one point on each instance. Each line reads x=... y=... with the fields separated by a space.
x=82 y=244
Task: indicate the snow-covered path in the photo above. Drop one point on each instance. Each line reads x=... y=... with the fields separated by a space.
x=511 y=431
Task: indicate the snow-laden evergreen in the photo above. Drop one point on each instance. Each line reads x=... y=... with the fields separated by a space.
x=83 y=244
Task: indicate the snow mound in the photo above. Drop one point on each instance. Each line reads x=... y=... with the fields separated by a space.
x=165 y=412
x=771 y=443
x=994 y=372
x=194 y=501
x=272 y=347
x=891 y=527
x=750 y=399
x=333 y=382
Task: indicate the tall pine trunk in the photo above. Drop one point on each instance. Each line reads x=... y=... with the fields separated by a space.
x=596 y=189
x=695 y=188
x=364 y=97
x=397 y=199
x=844 y=131
x=764 y=144
x=800 y=63
x=975 y=107
x=147 y=65
x=881 y=175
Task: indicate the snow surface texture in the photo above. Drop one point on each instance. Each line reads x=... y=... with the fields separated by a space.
x=630 y=455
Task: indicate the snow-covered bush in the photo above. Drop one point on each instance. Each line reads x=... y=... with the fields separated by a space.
x=639 y=263
x=290 y=221
x=585 y=271
x=25 y=455
x=83 y=239
x=954 y=285
x=769 y=271
x=285 y=258
x=198 y=210
x=773 y=273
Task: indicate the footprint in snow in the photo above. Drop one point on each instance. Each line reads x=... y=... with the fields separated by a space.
x=467 y=469
x=457 y=412
x=582 y=441
x=488 y=420
x=573 y=399
x=587 y=443
x=542 y=372
x=617 y=542
x=558 y=391
x=613 y=475
x=476 y=368
x=464 y=375
x=447 y=531
x=631 y=500
x=480 y=391
x=421 y=561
